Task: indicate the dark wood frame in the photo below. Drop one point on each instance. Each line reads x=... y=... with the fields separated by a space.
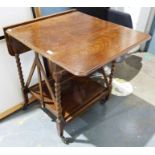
x=53 y=102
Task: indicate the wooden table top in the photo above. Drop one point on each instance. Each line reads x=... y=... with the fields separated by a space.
x=77 y=42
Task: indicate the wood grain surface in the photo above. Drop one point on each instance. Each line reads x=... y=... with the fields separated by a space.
x=77 y=42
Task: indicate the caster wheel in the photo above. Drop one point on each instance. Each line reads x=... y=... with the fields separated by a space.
x=53 y=120
x=24 y=107
x=65 y=140
x=42 y=106
x=103 y=100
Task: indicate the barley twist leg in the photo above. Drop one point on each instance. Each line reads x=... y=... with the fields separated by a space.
x=21 y=78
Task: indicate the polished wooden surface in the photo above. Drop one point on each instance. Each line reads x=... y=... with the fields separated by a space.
x=82 y=93
x=77 y=42
x=15 y=46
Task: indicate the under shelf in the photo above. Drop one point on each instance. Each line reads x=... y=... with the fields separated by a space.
x=78 y=95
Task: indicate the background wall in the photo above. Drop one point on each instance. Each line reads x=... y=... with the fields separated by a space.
x=49 y=10
x=139 y=15
x=142 y=18
x=9 y=83
x=151 y=47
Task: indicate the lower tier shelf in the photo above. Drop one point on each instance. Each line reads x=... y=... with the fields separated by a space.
x=78 y=95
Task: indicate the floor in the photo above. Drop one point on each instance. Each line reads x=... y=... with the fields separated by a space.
x=125 y=120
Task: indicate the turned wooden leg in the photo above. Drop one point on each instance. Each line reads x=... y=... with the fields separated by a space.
x=108 y=83
x=110 y=79
x=60 y=121
x=105 y=77
x=21 y=78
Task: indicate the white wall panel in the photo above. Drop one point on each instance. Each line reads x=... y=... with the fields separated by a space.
x=10 y=93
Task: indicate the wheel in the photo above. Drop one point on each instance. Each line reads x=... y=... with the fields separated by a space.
x=104 y=99
x=24 y=107
x=42 y=106
x=65 y=140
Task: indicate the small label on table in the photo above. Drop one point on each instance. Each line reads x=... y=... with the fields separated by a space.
x=9 y=30
x=50 y=52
